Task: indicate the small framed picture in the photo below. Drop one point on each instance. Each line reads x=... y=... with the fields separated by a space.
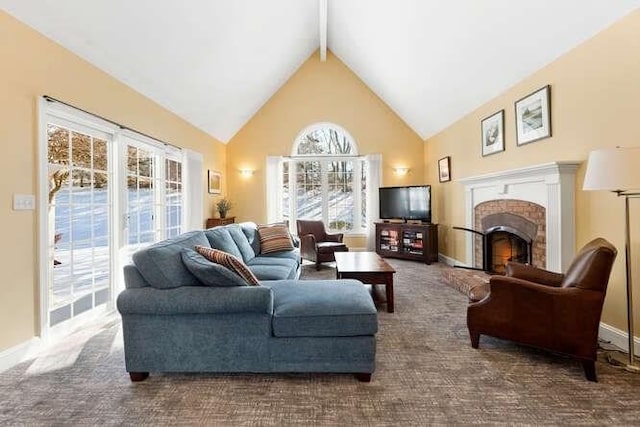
x=444 y=169
x=215 y=182
x=533 y=116
x=493 y=133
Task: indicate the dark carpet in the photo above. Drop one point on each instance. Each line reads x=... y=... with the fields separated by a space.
x=427 y=373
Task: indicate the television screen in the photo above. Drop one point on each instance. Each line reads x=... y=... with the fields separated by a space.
x=406 y=203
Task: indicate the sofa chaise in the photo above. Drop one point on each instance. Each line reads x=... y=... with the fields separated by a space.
x=183 y=313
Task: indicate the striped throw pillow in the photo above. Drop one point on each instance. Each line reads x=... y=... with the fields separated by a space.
x=231 y=262
x=274 y=238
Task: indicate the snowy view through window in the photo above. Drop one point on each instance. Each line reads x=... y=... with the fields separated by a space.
x=80 y=214
x=321 y=186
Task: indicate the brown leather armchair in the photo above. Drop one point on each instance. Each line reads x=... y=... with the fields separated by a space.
x=552 y=311
x=316 y=244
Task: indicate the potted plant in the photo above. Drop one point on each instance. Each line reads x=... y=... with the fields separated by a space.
x=224 y=205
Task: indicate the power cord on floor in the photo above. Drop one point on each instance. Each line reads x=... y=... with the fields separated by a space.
x=608 y=348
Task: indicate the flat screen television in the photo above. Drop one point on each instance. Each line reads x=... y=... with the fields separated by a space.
x=406 y=203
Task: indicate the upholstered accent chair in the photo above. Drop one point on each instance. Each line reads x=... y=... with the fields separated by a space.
x=552 y=311
x=316 y=244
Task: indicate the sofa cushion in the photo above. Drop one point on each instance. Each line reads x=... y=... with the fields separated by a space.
x=220 y=238
x=294 y=255
x=160 y=264
x=210 y=273
x=273 y=272
x=250 y=230
x=231 y=262
x=322 y=308
x=272 y=260
x=241 y=242
x=274 y=238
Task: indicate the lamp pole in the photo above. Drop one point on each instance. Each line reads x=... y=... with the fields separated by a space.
x=630 y=366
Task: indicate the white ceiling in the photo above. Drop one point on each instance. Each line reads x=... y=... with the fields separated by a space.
x=215 y=63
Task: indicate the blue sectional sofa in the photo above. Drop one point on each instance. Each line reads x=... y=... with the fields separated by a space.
x=177 y=321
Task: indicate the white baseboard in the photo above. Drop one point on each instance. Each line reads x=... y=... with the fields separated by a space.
x=446 y=260
x=618 y=337
x=16 y=354
x=450 y=261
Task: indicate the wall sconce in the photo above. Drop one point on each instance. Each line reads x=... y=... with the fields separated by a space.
x=401 y=171
x=247 y=172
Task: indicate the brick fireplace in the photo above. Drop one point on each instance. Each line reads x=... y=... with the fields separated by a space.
x=515 y=220
x=531 y=209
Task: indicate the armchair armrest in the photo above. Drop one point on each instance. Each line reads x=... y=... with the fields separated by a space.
x=534 y=274
x=308 y=246
x=334 y=237
x=537 y=303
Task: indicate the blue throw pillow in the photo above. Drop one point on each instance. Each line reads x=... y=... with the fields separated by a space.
x=241 y=241
x=220 y=238
x=210 y=273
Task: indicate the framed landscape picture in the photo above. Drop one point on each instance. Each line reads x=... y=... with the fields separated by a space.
x=444 y=169
x=493 y=133
x=215 y=182
x=533 y=116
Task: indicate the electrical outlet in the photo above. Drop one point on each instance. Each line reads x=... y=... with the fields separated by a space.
x=24 y=202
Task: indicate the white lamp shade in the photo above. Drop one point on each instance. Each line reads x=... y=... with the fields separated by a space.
x=613 y=169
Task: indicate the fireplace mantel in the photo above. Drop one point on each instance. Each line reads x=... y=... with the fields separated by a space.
x=551 y=185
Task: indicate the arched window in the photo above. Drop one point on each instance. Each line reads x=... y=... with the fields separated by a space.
x=325 y=179
x=324 y=139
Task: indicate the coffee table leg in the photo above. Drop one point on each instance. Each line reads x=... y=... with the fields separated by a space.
x=388 y=286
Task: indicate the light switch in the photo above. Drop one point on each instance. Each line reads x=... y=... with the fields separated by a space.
x=24 y=202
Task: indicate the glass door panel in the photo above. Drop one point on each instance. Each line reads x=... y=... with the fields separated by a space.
x=309 y=190
x=141 y=198
x=79 y=206
x=173 y=197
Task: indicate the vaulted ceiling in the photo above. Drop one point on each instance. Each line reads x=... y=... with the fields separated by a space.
x=215 y=63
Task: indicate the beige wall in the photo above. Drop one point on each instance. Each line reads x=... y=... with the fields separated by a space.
x=318 y=92
x=33 y=66
x=595 y=99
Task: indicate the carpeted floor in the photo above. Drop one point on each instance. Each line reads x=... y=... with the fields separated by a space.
x=427 y=373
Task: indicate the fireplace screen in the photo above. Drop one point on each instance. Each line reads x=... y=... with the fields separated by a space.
x=502 y=247
x=504 y=237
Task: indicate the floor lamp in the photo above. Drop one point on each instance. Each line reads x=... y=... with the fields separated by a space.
x=618 y=170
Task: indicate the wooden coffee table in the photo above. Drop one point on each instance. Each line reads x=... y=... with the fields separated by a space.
x=367 y=267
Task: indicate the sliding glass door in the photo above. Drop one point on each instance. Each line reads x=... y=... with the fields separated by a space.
x=109 y=192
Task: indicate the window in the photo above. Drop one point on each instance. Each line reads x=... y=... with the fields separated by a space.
x=324 y=179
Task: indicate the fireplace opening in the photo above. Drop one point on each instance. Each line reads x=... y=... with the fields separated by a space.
x=503 y=237
x=503 y=246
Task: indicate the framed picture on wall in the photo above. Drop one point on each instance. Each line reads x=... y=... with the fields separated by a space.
x=533 y=116
x=444 y=169
x=215 y=182
x=493 y=133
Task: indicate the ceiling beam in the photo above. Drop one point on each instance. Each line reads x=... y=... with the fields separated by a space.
x=323 y=29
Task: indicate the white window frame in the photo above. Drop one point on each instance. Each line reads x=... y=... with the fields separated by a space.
x=358 y=228
x=51 y=111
